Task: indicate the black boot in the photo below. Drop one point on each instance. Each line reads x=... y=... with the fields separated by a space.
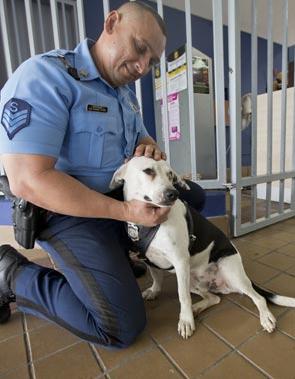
x=10 y=260
x=5 y=313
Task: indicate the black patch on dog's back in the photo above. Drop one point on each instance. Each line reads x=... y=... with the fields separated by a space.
x=205 y=233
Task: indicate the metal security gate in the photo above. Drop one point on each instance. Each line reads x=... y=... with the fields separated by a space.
x=273 y=187
x=238 y=184
x=30 y=27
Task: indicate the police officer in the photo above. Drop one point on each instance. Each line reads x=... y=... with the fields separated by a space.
x=68 y=121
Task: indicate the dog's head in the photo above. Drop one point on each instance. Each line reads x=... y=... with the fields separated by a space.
x=148 y=180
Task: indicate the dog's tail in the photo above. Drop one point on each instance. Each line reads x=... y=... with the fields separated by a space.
x=274 y=298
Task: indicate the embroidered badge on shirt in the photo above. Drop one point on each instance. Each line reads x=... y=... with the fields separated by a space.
x=16 y=116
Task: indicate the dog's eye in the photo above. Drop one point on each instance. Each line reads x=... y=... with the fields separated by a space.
x=170 y=175
x=150 y=172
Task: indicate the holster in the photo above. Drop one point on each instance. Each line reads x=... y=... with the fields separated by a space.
x=28 y=219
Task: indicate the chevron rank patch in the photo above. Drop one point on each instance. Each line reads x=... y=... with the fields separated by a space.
x=16 y=116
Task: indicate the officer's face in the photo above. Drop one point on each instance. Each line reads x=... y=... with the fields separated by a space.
x=136 y=44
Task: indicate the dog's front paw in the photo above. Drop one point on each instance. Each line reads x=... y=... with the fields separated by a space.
x=186 y=327
x=150 y=294
x=268 y=322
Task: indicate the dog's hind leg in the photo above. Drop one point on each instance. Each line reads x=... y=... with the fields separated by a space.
x=209 y=299
x=152 y=292
x=236 y=279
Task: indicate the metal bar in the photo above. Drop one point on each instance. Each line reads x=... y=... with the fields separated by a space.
x=191 y=108
x=81 y=20
x=139 y=94
x=16 y=33
x=106 y=8
x=29 y=20
x=283 y=102
x=5 y=34
x=69 y=2
x=235 y=110
x=64 y=24
x=254 y=107
x=76 y=24
x=164 y=92
x=212 y=183
x=293 y=144
x=54 y=18
x=269 y=104
x=41 y=25
x=219 y=90
x=263 y=222
x=267 y=178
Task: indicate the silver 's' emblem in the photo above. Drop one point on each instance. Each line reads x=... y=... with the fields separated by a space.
x=133 y=231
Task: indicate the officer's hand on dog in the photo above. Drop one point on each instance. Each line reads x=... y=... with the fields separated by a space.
x=150 y=151
x=145 y=214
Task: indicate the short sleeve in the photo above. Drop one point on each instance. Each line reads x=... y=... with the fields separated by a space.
x=34 y=109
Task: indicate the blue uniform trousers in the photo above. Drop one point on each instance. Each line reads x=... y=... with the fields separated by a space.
x=94 y=293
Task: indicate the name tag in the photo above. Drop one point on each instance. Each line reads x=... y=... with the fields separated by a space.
x=96 y=108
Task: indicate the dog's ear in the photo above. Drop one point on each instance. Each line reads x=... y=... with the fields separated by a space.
x=118 y=177
x=179 y=181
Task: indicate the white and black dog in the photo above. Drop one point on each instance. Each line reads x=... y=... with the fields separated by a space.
x=202 y=257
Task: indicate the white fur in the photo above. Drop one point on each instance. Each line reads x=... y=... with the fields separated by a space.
x=170 y=248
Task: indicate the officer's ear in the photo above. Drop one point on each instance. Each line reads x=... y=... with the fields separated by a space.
x=112 y=19
x=118 y=177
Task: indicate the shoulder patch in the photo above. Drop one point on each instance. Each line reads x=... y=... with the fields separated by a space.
x=16 y=116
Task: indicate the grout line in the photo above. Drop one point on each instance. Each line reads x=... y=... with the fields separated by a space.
x=223 y=339
x=273 y=277
x=57 y=351
x=216 y=363
x=124 y=361
x=260 y=369
x=170 y=359
x=98 y=358
x=286 y=334
x=236 y=348
x=244 y=307
x=31 y=367
x=275 y=268
x=233 y=347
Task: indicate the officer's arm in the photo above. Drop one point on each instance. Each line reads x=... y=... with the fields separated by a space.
x=34 y=178
x=148 y=147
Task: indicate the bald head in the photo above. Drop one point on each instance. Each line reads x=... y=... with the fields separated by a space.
x=136 y=9
x=132 y=41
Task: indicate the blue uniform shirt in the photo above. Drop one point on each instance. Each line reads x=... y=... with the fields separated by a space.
x=86 y=124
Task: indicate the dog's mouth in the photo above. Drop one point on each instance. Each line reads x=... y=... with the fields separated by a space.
x=166 y=203
x=166 y=199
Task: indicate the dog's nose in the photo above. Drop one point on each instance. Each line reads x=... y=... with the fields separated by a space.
x=171 y=195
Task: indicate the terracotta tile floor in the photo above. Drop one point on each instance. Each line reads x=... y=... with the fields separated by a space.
x=228 y=343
